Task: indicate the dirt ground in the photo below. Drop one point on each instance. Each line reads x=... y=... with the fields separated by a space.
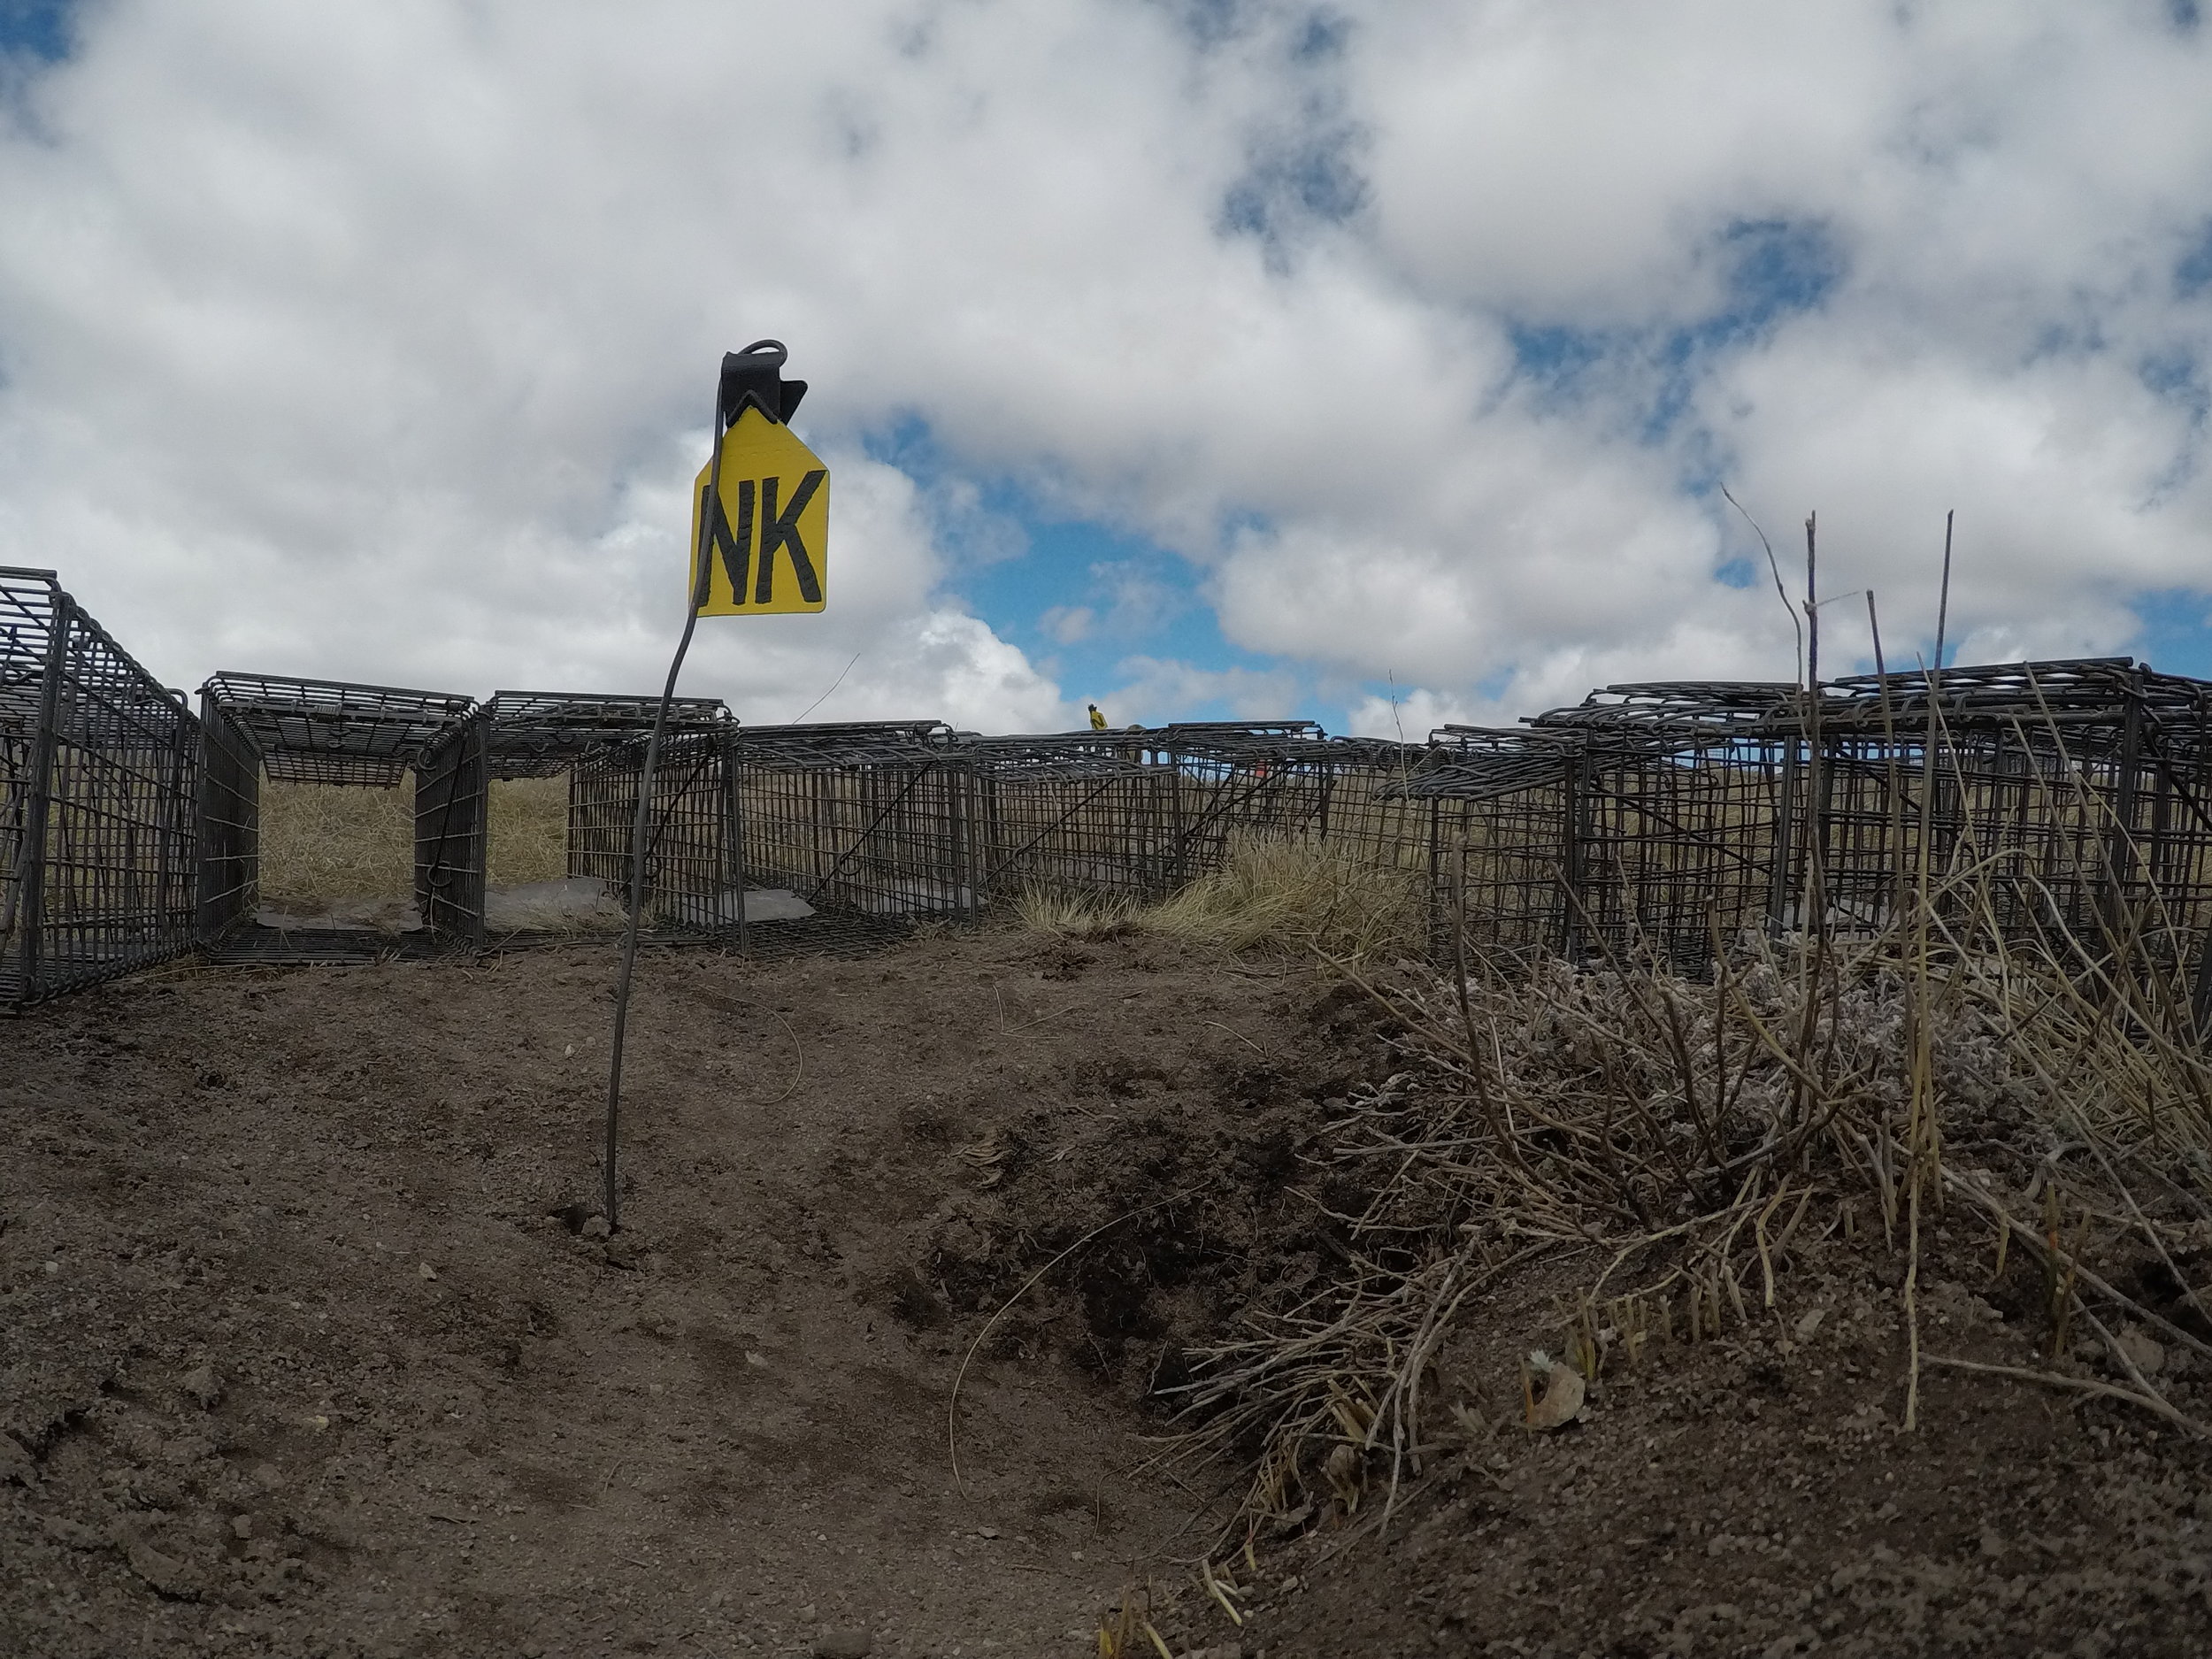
x=308 y=1346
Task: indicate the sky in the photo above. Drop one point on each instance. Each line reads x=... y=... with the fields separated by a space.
x=1384 y=365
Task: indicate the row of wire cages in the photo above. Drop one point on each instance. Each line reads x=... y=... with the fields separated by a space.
x=2061 y=803
x=99 y=769
x=2066 y=805
x=1130 y=816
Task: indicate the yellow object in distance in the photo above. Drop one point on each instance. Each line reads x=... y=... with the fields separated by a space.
x=769 y=554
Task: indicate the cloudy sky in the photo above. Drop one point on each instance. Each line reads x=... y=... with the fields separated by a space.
x=1382 y=363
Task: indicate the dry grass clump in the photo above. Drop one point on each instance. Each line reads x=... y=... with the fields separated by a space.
x=323 y=844
x=1272 y=893
x=327 y=844
x=529 y=831
x=1673 y=1137
x=1299 y=894
x=1061 y=917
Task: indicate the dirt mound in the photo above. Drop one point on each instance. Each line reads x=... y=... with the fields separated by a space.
x=309 y=1344
x=1756 y=1495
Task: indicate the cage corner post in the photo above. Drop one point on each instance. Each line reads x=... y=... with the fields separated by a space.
x=452 y=811
x=228 y=831
x=733 y=876
x=38 y=806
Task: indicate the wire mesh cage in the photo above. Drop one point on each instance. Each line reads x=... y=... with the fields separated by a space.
x=694 y=882
x=544 y=733
x=1133 y=814
x=1071 y=814
x=1679 y=807
x=2044 y=800
x=296 y=731
x=99 y=766
x=1502 y=862
x=870 y=819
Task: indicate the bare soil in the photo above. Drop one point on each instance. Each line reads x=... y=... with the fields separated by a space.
x=308 y=1346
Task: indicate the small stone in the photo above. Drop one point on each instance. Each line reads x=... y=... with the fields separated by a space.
x=595 y=1227
x=74 y=1534
x=17 y=1466
x=267 y=1475
x=2142 y=1348
x=53 y=1267
x=427 y=1271
x=165 y=1573
x=758 y=1362
x=242 y=1526
x=203 y=1385
x=843 y=1644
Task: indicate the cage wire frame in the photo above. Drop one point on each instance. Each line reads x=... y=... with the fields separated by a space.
x=99 y=771
x=2064 y=801
x=597 y=740
x=1070 y=815
x=871 y=820
x=2055 y=800
x=292 y=730
x=2060 y=801
x=695 y=878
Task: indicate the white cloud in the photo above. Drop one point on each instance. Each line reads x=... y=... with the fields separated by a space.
x=1155 y=691
x=1069 y=625
x=376 y=341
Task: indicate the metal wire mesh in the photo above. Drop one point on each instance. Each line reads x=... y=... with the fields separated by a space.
x=99 y=766
x=328 y=731
x=874 y=819
x=452 y=830
x=230 y=821
x=1070 y=814
x=2077 y=795
x=692 y=879
x=1667 y=820
x=1501 y=858
x=334 y=732
x=542 y=734
x=2042 y=798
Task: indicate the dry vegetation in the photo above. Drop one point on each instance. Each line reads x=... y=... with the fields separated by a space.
x=1667 y=1140
x=1273 y=892
x=529 y=831
x=323 y=845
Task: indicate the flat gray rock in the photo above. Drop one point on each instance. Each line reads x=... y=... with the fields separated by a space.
x=578 y=903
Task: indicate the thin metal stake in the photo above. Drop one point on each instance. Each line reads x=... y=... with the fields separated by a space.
x=1943 y=601
x=701 y=554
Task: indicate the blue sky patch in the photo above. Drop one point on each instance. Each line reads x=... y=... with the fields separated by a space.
x=2176 y=632
x=1081 y=598
x=2193 y=272
x=36 y=28
x=1774 y=269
